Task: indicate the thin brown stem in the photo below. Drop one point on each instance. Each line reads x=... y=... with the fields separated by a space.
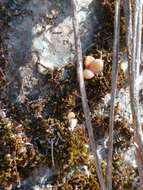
x=133 y=55
x=85 y=106
x=139 y=160
x=136 y=110
x=139 y=36
x=134 y=90
x=113 y=93
x=140 y=166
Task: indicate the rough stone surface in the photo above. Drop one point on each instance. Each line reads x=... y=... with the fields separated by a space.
x=40 y=36
x=40 y=179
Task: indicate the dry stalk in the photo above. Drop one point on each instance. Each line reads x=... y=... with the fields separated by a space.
x=136 y=107
x=132 y=64
x=138 y=6
x=133 y=43
x=113 y=92
x=139 y=160
x=52 y=153
x=140 y=167
x=85 y=106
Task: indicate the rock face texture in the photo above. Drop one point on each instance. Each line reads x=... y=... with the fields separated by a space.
x=40 y=36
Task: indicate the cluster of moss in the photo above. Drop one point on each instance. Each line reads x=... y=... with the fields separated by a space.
x=104 y=37
x=123 y=177
x=123 y=174
x=29 y=145
x=17 y=153
x=100 y=85
x=36 y=126
x=122 y=132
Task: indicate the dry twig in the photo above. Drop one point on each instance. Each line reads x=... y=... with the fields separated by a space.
x=133 y=43
x=132 y=64
x=83 y=94
x=113 y=92
x=134 y=75
x=139 y=160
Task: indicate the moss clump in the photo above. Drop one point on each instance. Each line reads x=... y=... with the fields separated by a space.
x=122 y=133
x=48 y=133
x=123 y=174
x=17 y=153
x=104 y=36
x=65 y=95
x=70 y=153
x=46 y=142
x=100 y=85
x=79 y=181
x=123 y=177
x=47 y=138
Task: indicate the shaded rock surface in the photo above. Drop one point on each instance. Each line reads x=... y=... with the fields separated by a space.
x=40 y=36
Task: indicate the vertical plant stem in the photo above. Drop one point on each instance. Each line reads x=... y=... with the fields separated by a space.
x=134 y=62
x=139 y=131
x=84 y=96
x=139 y=36
x=135 y=98
x=140 y=167
x=52 y=153
x=139 y=160
x=134 y=45
x=113 y=92
x=133 y=73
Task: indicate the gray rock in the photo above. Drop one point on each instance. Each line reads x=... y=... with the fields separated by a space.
x=40 y=36
x=40 y=178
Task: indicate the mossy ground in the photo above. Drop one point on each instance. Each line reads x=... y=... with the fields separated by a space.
x=29 y=131
x=37 y=133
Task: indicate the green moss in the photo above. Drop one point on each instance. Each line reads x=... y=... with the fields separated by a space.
x=100 y=85
x=123 y=174
x=123 y=177
x=70 y=152
x=104 y=37
x=15 y=152
x=25 y=147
